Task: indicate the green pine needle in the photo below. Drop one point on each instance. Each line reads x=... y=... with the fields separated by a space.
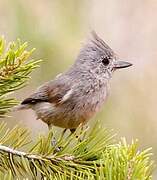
x=14 y=71
x=86 y=157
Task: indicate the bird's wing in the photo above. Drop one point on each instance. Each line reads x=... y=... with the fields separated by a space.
x=54 y=92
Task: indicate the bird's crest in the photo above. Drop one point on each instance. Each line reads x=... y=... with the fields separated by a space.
x=101 y=45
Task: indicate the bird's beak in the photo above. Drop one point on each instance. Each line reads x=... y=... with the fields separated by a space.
x=121 y=64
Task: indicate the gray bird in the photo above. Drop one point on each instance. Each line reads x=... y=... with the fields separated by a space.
x=73 y=97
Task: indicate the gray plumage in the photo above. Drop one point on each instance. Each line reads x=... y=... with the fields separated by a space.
x=73 y=97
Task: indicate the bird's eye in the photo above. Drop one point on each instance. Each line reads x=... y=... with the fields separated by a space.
x=105 y=61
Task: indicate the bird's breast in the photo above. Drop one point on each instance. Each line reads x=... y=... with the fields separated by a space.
x=93 y=101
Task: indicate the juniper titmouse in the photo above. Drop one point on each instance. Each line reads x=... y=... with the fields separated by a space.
x=73 y=97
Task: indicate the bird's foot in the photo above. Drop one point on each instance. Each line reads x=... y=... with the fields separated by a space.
x=54 y=142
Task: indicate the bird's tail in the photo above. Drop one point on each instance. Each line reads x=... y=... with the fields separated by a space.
x=20 y=107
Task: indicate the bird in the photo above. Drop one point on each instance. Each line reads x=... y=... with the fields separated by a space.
x=72 y=98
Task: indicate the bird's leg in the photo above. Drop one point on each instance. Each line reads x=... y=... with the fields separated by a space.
x=50 y=127
x=62 y=135
x=53 y=142
x=63 y=132
x=59 y=148
x=72 y=130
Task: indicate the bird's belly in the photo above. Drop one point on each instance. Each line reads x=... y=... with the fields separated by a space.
x=69 y=115
x=60 y=116
x=67 y=123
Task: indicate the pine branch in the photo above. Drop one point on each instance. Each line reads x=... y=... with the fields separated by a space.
x=14 y=71
x=94 y=157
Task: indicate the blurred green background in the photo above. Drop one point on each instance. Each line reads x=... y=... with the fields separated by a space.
x=57 y=28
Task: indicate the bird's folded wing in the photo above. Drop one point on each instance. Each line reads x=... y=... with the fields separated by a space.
x=52 y=92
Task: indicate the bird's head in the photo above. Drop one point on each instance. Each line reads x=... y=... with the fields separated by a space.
x=98 y=57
